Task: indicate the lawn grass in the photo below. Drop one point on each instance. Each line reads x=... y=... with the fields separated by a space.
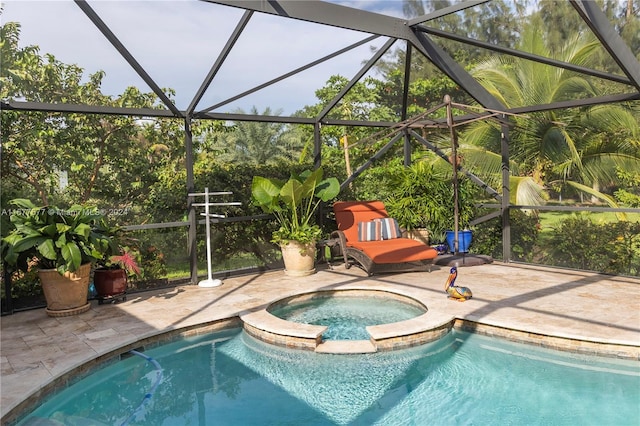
x=549 y=220
x=183 y=269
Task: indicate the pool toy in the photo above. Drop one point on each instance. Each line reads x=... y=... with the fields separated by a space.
x=458 y=293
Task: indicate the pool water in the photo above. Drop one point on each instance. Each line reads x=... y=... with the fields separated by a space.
x=347 y=317
x=229 y=378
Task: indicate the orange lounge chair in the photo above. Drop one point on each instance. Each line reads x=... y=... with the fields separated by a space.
x=394 y=254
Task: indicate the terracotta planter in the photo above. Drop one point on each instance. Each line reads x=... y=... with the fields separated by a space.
x=66 y=294
x=299 y=259
x=110 y=282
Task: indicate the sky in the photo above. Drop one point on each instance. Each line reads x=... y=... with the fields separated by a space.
x=177 y=42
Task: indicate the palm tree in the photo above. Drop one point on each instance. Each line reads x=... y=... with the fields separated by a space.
x=257 y=142
x=580 y=148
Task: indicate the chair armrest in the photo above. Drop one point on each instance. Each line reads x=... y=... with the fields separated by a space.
x=340 y=236
x=343 y=246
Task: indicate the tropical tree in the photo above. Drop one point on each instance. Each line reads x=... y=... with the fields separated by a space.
x=114 y=161
x=75 y=158
x=578 y=148
x=561 y=20
x=494 y=22
x=348 y=145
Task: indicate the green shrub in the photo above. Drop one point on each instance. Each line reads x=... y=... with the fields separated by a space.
x=525 y=228
x=421 y=196
x=578 y=242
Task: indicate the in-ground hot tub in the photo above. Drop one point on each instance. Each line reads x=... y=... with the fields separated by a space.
x=346 y=314
x=345 y=321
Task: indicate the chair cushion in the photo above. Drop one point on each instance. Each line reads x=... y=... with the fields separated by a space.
x=350 y=213
x=395 y=251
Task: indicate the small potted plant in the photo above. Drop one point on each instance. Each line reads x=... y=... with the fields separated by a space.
x=294 y=203
x=63 y=244
x=118 y=263
x=111 y=278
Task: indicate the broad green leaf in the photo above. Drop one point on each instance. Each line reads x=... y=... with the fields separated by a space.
x=61 y=241
x=72 y=256
x=49 y=230
x=292 y=193
x=328 y=189
x=47 y=250
x=23 y=203
x=62 y=227
x=26 y=231
x=265 y=193
x=10 y=256
x=20 y=244
x=311 y=182
x=82 y=229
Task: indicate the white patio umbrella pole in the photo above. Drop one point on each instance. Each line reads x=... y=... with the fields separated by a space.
x=209 y=282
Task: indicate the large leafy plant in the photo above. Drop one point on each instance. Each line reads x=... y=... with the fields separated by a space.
x=54 y=238
x=294 y=203
x=421 y=196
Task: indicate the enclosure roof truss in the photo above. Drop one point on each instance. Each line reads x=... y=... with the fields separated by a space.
x=416 y=33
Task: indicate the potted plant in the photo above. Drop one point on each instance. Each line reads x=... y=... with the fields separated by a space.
x=294 y=203
x=62 y=244
x=119 y=262
x=111 y=277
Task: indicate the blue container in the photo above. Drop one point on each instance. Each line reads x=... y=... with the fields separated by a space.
x=464 y=240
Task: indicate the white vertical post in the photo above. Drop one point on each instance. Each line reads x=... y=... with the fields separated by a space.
x=209 y=282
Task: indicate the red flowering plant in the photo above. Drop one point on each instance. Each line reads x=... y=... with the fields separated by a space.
x=126 y=260
x=120 y=253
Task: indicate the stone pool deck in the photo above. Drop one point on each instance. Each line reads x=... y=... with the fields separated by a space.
x=569 y=310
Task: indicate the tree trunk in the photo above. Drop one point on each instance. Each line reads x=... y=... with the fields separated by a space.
x=595 y=187
x=33 y=182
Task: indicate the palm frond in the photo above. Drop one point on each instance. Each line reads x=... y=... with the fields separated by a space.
x=593 y=192
x=603 y=167
x=613 y=118
x=525 y=191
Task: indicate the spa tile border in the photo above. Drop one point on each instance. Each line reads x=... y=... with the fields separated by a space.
x=347 y=292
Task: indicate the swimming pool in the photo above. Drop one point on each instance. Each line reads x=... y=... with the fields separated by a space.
x=230 y=378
